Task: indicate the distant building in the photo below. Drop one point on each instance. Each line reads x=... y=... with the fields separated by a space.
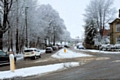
x=106 y=32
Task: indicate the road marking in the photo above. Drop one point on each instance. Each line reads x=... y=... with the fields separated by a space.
x=116 y=61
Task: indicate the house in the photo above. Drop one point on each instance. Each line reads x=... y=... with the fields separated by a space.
x=106 y=32
x=115 y=31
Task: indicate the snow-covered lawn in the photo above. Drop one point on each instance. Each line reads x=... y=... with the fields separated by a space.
x=69 y=54
x=42 y=51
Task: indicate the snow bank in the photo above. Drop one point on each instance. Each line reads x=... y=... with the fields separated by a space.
x=36 y=70
x=69 y=54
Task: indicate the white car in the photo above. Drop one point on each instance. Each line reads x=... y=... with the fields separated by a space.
x=32 y=53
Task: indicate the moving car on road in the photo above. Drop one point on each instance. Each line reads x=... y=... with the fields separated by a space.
x=32 y=53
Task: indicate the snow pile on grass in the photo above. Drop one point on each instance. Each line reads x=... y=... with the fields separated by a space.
x=69 y=54
x=19 y=56
x=36 y=70
x=42 y=51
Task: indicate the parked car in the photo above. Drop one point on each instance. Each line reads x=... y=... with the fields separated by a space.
x=81 y=47
x=49 y=50
x=55 y=48
x=60 y=47
x=4 y=58
x=66 y=46
x=32 y=53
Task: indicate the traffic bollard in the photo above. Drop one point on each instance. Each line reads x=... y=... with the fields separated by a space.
x=12 y=63
x=64 y=50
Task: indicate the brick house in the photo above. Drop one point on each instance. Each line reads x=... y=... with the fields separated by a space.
x=115 y=31
x=106 y=32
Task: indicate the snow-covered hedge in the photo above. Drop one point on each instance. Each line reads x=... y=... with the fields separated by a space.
x=110 y=47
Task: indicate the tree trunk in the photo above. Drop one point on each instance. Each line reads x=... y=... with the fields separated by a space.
x=1 y=42
x=54 y=40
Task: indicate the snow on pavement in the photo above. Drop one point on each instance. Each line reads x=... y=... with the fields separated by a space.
x=69 y=54
x=24 y=72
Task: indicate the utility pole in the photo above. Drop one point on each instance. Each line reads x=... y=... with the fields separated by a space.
x=26 y=26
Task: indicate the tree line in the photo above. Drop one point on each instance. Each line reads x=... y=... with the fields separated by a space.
x=24 y=23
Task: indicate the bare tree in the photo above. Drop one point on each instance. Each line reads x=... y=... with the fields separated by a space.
x=5 y=25
x=101 y=12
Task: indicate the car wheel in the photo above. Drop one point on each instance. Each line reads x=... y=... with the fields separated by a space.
x=40 y=56
x=24 y=58
x=35 y=57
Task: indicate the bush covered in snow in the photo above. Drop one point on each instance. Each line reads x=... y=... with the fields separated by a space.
x=110 y=47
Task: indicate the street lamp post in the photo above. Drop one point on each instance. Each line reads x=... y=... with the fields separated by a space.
x=26 y=26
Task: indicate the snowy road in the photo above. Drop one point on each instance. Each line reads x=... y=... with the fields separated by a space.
x=96 y=65
x=44 y=64
x=106 y=66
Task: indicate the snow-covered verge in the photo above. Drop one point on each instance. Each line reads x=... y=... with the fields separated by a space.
x=69 y=54
x=98 y=51
x=42 y=51
x=19 y=56
x=36 y=70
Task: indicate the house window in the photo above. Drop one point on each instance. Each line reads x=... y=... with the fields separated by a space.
x=118 y=27
x=118 y=40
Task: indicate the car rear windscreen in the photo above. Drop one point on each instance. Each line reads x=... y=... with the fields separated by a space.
x=28 y=50
x=48 y=48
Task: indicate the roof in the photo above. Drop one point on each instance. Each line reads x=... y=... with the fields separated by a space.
x=115 y=20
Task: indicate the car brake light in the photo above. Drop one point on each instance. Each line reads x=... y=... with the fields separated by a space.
x=32 y=52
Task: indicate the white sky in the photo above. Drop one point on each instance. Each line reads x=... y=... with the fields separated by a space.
x=72 y=12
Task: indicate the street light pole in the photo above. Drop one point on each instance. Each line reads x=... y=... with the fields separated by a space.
x=26 y=26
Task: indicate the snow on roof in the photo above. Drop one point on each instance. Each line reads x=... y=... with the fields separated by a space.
x=30 y=48
x=114 y=20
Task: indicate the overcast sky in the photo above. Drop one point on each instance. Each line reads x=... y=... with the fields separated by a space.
x=71 y=11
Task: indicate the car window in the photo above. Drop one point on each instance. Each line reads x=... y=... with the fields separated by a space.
x=48 y=48
x=28 y=50
x=35 y=50
x=2 y=53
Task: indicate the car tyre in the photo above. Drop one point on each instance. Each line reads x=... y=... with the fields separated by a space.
x=40 y=56
x=35 y=57
x=24 y=58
